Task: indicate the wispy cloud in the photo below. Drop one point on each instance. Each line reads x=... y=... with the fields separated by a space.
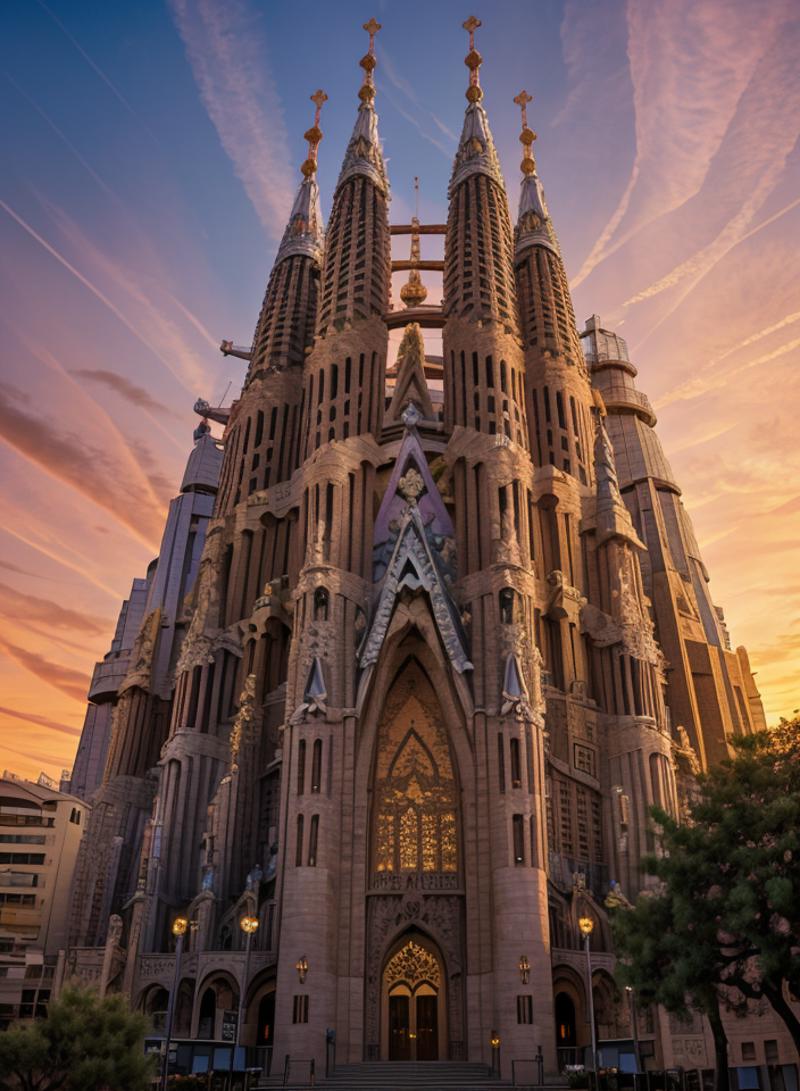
x=132 y=327
x=68 y=458
x=690 y=64
x=419 y=114
x=228 y=57
x=95 y=67
x=132 y=393
x=40 y=721
x=19 y=606
x=73 y=683
x=59 y=556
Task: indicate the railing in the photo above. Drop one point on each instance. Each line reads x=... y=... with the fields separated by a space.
x=535 y=1068
x=287 y=1065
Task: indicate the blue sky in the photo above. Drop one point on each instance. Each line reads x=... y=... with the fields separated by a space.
x=149 y=155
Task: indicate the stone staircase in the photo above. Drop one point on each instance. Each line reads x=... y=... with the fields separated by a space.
x=408 y=1076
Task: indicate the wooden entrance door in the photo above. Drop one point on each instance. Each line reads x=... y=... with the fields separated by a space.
x=399 y=1026
x=427 y=1028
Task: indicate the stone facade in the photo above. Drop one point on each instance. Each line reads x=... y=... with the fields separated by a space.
x=449 y=639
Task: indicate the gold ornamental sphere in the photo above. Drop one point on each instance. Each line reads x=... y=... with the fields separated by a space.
x=368 y=62
x=527 y=166
x=527 y=136
x=313 y=135
x=473 y=59
x=413 y=293
x=308 y=168
x=366 y=93
x=249 y=925
x=474 y=93
x=180 y=926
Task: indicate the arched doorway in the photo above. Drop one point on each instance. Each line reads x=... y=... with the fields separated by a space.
x=414 y=1002
x=566 y=1030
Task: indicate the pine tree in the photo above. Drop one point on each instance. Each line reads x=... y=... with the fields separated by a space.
x=722 y=927
x=85 y=1044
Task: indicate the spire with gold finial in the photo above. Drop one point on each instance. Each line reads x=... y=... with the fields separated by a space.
x=476 y=151
x=534 y=227
x=304 y=232
x=414 y=292
x=364 y=155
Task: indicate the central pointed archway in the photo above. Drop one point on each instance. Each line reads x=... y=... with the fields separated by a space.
x=413 y=1001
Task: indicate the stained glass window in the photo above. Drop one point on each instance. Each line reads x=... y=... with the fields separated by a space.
x=415 y=792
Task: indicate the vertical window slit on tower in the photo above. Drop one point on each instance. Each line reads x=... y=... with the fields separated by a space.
x=518 y=839
x=313 y=836
x=316 y=766
x=301 y=766
x=298 y=857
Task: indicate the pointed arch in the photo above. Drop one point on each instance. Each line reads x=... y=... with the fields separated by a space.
x=415 y=794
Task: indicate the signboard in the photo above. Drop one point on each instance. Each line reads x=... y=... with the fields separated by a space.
x=229 y=1021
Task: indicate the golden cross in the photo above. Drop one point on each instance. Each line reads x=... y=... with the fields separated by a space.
x=318 y=98
x=522 y=100
x=471 y=25
x=372 y=28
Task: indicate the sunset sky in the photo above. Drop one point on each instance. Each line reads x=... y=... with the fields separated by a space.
x=149 y=158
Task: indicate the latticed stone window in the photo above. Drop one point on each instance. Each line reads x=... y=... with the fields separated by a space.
x=415 y=789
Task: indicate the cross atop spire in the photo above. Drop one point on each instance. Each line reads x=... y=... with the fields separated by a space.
x=314 y=135
x=473 y=61
x=368 y=62
x=527 y=136
x=363 y=155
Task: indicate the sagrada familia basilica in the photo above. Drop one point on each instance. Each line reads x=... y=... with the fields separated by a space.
x=422 y=646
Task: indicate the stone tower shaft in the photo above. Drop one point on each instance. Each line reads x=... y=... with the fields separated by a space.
x=559 y=397
x=483 y=363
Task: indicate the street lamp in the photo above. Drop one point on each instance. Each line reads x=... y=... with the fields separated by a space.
x=179 y=928
x=248 y=925
x=494 y=1042
x=302 y=968
x=586 y=925
x=632 y=1004
x=524 y=969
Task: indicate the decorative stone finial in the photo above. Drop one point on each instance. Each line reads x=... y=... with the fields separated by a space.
x=313 y=135
x=368 y=63
x=473 y=61
x=527 y=136
x=414 y=291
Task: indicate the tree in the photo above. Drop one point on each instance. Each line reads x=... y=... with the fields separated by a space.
x=670 y=955
x=85 y=1044
x=722 y=925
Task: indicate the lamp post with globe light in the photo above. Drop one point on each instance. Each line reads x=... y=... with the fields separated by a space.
x=586 y=925
x=248 y=925
x=179 y=928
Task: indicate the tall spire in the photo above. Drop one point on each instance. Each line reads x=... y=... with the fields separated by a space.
x=414 y=291
x=304 y=232
x=476 y=150
x=534 y=227
x=364 y=155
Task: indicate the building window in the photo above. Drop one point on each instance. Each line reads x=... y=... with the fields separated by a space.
x=301 y=766
x=525 y=1009
x=300 y=1009
x=748 y=1051
x=771 y=1051
x=518 y=830
x=313 y=837
x=316 y=765
x=320 y=604
x=298 y=856
x=415 y=789
x=501 y=762
x=516 y=771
